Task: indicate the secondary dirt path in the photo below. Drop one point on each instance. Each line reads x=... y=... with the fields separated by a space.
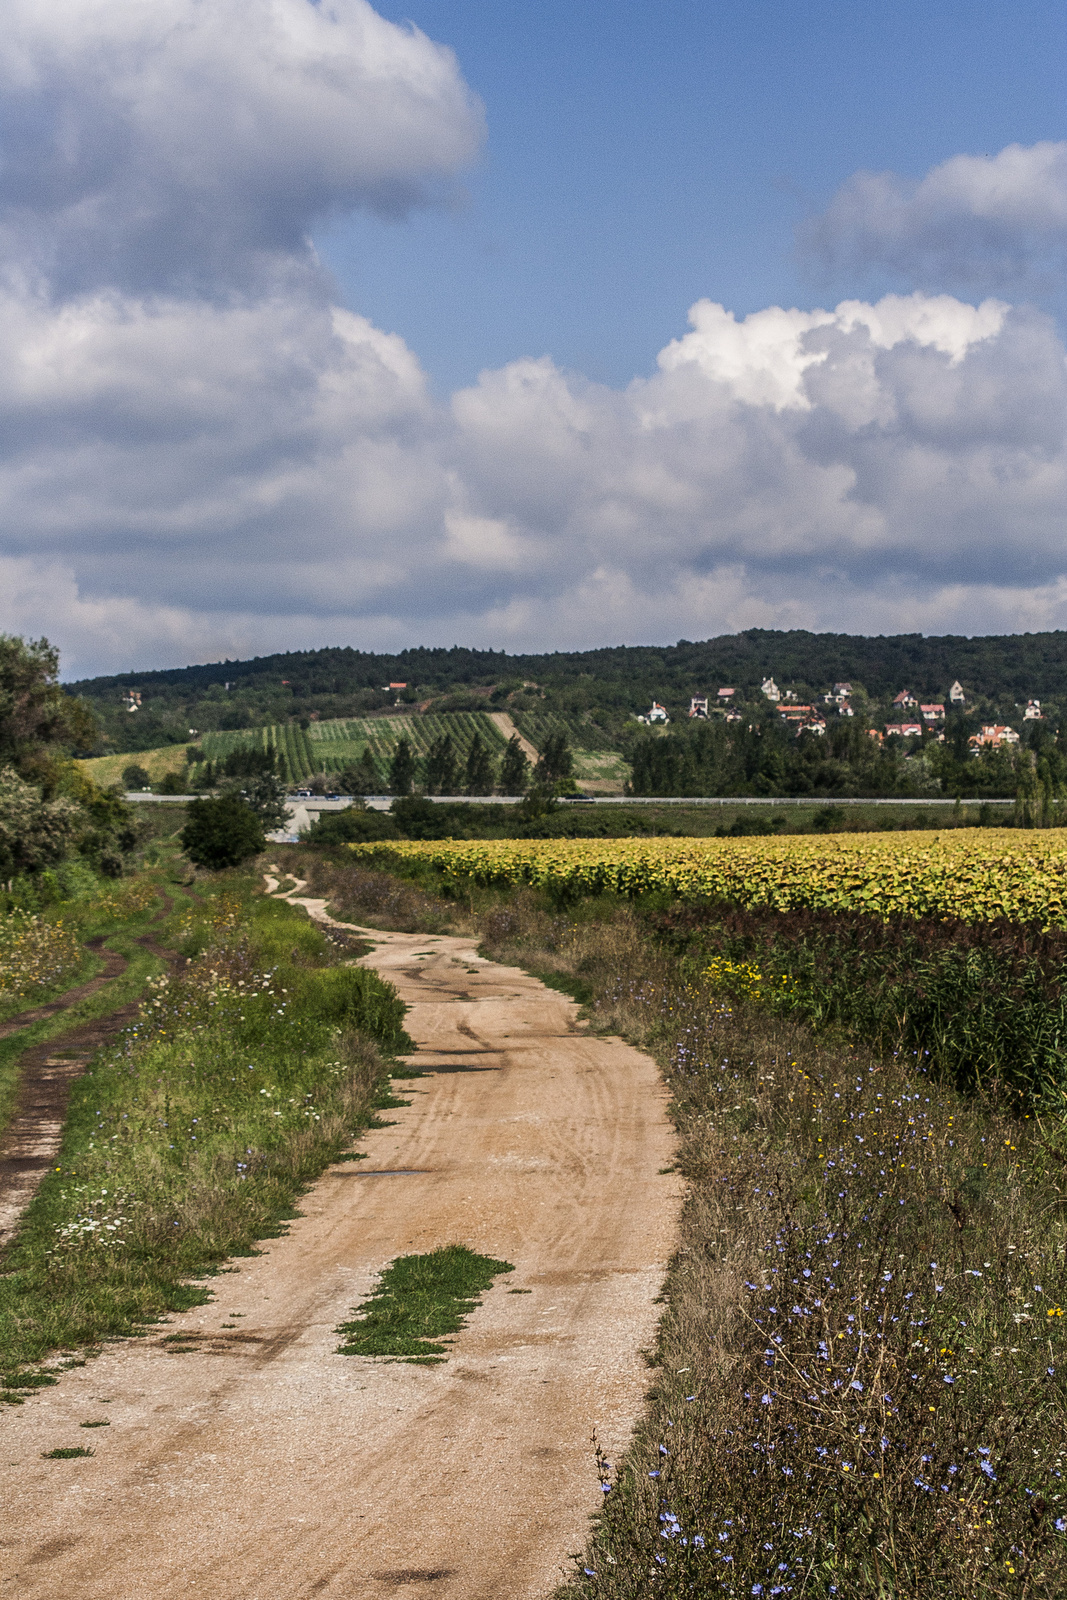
x=263 y=1466
x=46 y=1073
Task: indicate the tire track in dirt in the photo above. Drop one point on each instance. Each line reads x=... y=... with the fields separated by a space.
x=46 y=1073
x=261 y=1465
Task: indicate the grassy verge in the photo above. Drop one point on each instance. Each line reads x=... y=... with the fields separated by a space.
x=190 y=1138
x=859 y=1386
x=419 y=1301
x=120 y=919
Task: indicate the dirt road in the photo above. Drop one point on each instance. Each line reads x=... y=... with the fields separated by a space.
x=263 y=1466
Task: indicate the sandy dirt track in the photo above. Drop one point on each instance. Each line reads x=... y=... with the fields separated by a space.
x=263 y=1466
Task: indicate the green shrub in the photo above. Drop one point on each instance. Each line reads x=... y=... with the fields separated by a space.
x=222 y=832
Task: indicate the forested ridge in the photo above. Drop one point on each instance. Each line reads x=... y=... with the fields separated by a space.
x=607 y=686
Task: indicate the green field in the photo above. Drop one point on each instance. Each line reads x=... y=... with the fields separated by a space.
x=332 y=745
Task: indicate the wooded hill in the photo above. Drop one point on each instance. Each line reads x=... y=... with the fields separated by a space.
x=600 y=689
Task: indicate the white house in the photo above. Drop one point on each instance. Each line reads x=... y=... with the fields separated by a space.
x=934 y=713
x=1033 y=712
x=658 y=713
x=992 y=736
x=770 y=690
x=956 y=694
x=698 y=706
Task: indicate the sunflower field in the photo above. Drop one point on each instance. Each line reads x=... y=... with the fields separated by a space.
x=975 y=874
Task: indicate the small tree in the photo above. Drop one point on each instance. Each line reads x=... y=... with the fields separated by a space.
x=222 y=832
x=362 y=778
x=439 y=772
x=514 y=769
x=479 y=768
x=555 y=769
x=265 y=795
x=402 y=769
x=135 y=777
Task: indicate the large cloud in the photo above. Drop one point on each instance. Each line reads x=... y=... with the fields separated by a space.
x=200 y=455
x=154 y=144
x=973 y=221
x=195 y=480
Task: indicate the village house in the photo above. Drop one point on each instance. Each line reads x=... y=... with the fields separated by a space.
x=132 y=700
x=726 y=694
x=904 y=699
x=1033 y=712
x=934 y=713
x=873 y=733
x=812 y=725
x=770 y=690
x=992 y=737
x=795 y=713
x=698 y=706
x=658 y=713
x=956 y=694
x=904 y=730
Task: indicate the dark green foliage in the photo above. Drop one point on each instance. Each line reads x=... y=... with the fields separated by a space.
x=555 y=770
x=171 y=783
x=981 y=1003
x=361 y=779
x=514 y=769
x=38 y=718
x=248 y=762
x=70 y=1453
x=222 y=832
x=265 y=795
x=135 y=777
x=419 y=1301
x=440 y=767
x=479 y=772
x=354 y=826
x=752 y=825
x=402 y=769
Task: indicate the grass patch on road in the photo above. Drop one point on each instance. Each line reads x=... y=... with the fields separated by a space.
x=189 y=1139
x=419 y=1302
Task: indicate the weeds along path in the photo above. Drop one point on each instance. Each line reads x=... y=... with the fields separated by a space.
x=246 y=1460
x=30 y=1140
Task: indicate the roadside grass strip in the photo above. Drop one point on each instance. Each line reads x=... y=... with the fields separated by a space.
x=977 y=875
x=419 y=1302
x=860 y=1370
x=189 y=1139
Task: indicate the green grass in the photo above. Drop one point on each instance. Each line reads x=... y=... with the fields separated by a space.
x=421 y=1300
x=70 y=1453
x=190 y=1139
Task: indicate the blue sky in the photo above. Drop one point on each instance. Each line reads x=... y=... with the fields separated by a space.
x=642 y=156
x=684 y=320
